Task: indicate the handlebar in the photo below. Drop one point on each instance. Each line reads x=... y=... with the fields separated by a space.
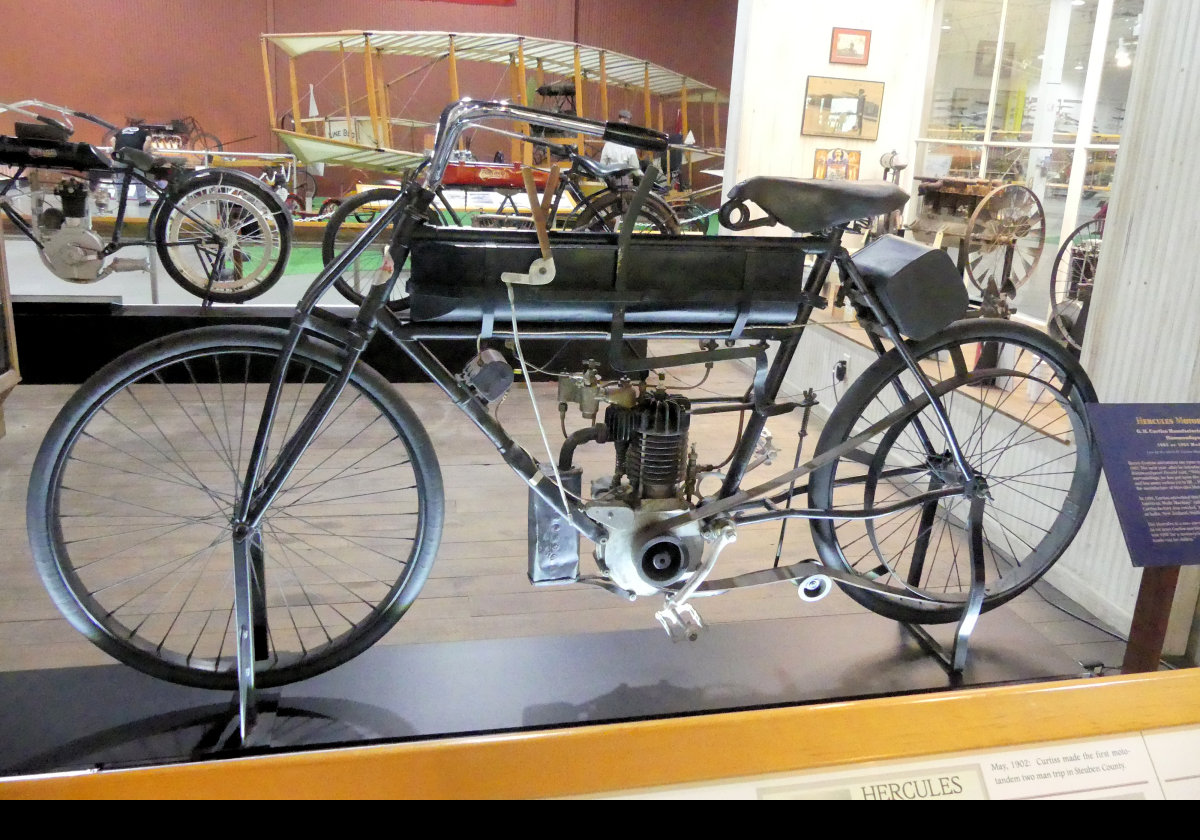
x=636 y=136
x=23 y=106
x=459 y=115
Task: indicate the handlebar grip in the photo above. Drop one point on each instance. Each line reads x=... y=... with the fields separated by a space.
x=635 y=136
x=93 y=118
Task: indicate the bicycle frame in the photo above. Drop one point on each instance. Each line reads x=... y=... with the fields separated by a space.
x=263 y=482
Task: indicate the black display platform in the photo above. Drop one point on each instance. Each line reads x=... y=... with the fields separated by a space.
x=111 y=716
x=64 y=340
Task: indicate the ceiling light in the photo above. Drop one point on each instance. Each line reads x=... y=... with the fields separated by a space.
x=1078 y=66
x=1077 y=2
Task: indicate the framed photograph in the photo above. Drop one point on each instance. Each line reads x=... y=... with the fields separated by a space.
x=850 y=46
x=837 y=165
x=847 y=108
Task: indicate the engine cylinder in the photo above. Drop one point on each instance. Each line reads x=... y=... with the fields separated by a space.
x=658 y=445
x=74 y=195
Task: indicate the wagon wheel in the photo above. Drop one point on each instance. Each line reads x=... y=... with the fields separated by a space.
x=1004 y=239
x=1071 y=280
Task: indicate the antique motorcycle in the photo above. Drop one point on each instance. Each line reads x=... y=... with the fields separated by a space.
x=232 y=506
x=220 y=234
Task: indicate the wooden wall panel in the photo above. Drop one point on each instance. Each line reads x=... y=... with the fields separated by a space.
x=160 y=60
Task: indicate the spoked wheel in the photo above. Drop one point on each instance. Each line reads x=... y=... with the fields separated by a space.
x=374 y=264
x=223 y=236
x=1004 y=239
x=1023 y=428
x=1072 y=278
x=205 y=142
x=605 y=211
x=132 y=494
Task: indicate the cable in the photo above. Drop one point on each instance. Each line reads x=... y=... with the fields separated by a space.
x=707 y=370
x=557 y=353
x=537 y=415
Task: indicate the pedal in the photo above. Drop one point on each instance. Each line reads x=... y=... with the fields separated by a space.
x=681 y=622
x=125 y=264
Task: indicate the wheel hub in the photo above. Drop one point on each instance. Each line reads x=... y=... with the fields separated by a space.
x=943 y=468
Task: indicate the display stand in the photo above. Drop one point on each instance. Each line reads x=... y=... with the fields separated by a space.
x=955 y=661
x=249 y=614
x=10 y=373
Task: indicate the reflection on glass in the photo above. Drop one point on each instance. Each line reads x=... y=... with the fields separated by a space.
x=1042 y=65
x=1121 y=49
x=958 y=109
x=948 y=160
x=1097 y=182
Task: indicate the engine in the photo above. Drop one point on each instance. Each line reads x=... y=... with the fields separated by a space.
x=649 y=484
x=652 y=478
x=70 y=248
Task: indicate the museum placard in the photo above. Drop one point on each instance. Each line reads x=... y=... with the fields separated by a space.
x=1151 y=457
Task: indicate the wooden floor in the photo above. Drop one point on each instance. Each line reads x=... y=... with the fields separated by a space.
x=479 y=588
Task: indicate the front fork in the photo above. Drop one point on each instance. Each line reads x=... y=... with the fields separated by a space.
x=263 y=482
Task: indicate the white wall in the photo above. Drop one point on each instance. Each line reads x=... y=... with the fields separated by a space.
x=780 y=43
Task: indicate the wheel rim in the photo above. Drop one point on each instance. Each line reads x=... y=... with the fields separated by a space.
x=143 y=496
x=1004 y=239
x=1039 y=489
x=223 y=241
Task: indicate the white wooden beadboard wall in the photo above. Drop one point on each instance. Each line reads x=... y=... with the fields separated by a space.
x=1143 y=334
x=780 y=43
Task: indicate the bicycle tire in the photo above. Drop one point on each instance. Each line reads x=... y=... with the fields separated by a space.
x=361 y=274
x=1072 y=277
x=1039 y=490
x=202 y=141
x=131 y=494
x=604 y=211
x=223 y=236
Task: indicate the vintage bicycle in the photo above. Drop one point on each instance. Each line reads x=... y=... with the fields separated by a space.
x=237 y=505
x=220 y=234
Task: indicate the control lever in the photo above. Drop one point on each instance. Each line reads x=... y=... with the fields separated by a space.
x=541 y=270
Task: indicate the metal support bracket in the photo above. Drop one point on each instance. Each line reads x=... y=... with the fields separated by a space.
x=541 y=270
x=955 y=662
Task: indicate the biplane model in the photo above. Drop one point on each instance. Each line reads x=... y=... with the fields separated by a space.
x=365 y=83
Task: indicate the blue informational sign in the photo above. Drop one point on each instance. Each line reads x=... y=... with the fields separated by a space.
x=1151 y=457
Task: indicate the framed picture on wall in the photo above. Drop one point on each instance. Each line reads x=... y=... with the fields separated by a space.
x=842 y=108
x=850 y=46
x=837 y=165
